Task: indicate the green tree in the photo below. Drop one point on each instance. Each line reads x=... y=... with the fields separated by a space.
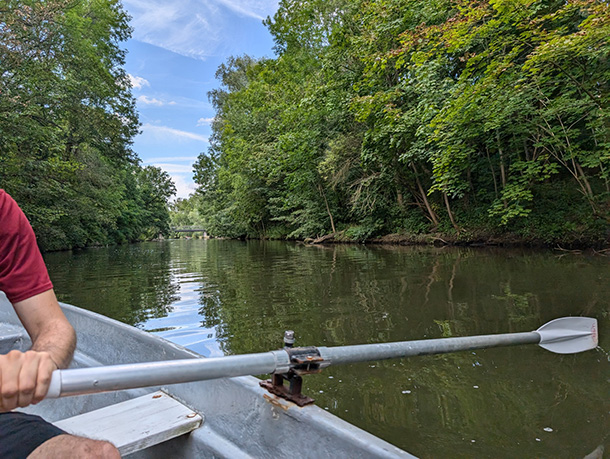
x=155 y=190
x=67 y=120
x=400 y=115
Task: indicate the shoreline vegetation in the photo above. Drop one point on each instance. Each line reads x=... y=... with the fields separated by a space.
x=441 y=240
x=410 y=121
x=475 y=122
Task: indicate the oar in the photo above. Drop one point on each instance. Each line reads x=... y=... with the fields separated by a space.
x=567 y=335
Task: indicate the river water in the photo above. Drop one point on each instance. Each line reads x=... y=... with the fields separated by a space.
x=231 y=297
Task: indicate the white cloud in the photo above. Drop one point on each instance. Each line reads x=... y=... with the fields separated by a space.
x=162 y=132
x=184 y=185
x=137 y=82
x=169 y=159
x=174 y=168
x=187 y=102
x=204 y=121
x=182 y=102
x=193 y=28
x=254 y=9
x=150 y=101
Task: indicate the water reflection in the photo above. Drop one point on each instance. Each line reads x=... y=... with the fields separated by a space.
x=129 y=283
x=231 y=297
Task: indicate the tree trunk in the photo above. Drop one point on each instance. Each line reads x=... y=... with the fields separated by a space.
x=448 y=206
x=585 y=181
x=397 y=184
x=330 y=215
x=425 y=197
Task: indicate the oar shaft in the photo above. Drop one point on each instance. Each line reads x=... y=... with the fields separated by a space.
x=129 y=376
x=564 y=336
x=368 y=352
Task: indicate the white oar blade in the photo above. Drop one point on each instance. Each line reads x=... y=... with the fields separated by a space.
x=569 y=335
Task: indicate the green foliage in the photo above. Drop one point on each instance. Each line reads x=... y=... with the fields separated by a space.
x=67 y=120
x=155 y=188
x=361 y=233
x=184 y=212
x=403 y=115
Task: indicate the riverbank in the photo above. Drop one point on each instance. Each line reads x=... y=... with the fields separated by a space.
x=470 y=239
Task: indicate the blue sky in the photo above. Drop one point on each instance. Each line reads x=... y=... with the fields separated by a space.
x=172 y=57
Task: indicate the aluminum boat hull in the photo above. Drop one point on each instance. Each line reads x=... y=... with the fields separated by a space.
x=241 y=419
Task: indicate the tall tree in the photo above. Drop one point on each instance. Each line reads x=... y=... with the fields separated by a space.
x=67 y=121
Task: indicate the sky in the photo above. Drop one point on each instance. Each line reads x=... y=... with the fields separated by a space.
x=172 y=57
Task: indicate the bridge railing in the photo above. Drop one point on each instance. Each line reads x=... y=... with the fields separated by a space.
x=187 y=229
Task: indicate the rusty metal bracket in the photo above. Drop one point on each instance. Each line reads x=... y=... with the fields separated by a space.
x=303 y=360
x=306 y=360
x=291 y=392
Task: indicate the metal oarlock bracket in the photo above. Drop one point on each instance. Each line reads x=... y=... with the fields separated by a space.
x=292 y=392
x=303 y=360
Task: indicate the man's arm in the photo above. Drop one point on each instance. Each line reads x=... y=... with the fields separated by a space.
x=25 y=376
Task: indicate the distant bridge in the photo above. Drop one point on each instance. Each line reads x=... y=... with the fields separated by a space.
x=188 y=229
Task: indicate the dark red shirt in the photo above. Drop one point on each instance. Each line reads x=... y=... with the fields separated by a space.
x=23 y=273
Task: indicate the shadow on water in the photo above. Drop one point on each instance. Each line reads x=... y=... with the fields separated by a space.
x=232 y=297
